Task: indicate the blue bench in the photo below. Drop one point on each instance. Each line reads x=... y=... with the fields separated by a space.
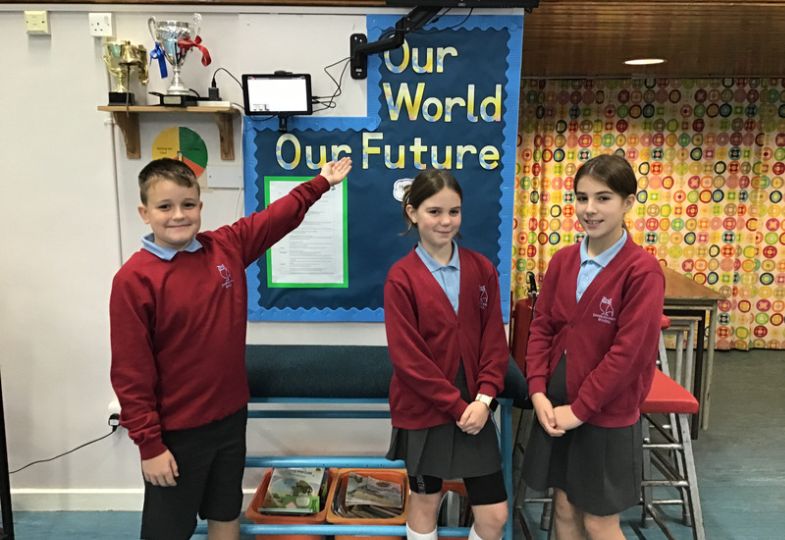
x=327 y=374
x=336 y=371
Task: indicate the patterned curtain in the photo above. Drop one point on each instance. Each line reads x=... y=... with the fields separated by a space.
x=710 y=159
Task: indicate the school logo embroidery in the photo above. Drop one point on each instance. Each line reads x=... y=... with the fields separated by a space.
x=483 y=297
x=606 y=314
x=226 y=275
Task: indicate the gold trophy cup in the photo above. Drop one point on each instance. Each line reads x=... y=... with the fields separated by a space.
x=123 y=59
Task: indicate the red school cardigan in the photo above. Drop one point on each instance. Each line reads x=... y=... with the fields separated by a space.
x=610 y=337
x=427 y=340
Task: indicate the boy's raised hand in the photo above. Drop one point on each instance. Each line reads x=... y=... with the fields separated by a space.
x=335 y=171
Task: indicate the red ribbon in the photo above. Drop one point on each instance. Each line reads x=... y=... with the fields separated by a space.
x=186 y=44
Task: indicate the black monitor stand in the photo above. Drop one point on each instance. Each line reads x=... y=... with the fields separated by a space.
x=283 y=120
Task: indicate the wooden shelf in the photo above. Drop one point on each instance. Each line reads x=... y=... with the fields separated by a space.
x=127 y=118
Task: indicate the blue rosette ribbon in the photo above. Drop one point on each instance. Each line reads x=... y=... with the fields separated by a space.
x=158 y=54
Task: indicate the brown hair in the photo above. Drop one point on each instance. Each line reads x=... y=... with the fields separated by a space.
x=427 y=184
x=613 y=171
x=166 y=169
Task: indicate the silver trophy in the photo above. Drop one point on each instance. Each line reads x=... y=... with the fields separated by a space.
x=173 y=40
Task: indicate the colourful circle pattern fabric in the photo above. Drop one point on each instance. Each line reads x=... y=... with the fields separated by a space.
x=710 y=159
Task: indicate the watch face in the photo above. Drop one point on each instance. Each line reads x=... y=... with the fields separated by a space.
x=488 y=401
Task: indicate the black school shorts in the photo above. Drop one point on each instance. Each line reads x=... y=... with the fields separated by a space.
x=211 y=461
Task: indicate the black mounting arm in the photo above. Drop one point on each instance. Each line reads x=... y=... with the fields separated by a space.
x=360 y=48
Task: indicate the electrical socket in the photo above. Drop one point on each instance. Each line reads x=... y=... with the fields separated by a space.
x=114 y=414
x=101 y=24
x=37 y=23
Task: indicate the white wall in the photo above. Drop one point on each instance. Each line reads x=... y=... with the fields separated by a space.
x=66 y=230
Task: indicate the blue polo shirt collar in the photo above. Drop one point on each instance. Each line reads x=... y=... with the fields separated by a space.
x=431 y=263
x=165 y=253
x=606 y=256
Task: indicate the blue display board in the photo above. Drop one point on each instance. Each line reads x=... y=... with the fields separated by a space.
x=447 y=99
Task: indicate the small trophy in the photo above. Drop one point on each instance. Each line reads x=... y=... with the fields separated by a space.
x=122 y=59
x=173 y=40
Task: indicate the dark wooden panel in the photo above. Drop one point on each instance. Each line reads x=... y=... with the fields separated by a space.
x=570 y=38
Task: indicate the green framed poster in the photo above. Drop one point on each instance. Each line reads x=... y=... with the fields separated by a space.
x=315 y=254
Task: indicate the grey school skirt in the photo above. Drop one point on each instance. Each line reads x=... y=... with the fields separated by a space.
x=445 y=451
x=599 y=469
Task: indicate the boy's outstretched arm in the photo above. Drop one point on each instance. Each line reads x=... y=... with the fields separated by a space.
x=335 y=171
x=257 y=232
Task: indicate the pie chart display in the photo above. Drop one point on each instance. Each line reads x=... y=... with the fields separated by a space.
x=183 y=144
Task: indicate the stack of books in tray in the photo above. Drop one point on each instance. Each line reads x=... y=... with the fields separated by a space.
x=368 y=497
x=295 y=491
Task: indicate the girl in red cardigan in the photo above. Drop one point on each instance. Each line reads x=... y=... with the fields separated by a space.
x=591 y=358
x=446 y=340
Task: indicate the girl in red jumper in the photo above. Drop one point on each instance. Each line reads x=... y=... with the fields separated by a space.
x=590 y=360
x=446 y=341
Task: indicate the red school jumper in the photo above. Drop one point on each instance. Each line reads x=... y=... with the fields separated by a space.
x=178 y=327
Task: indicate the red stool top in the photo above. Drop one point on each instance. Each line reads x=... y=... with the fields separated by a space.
x=668 y=396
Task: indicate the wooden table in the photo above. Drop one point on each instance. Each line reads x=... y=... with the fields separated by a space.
x=683 y=296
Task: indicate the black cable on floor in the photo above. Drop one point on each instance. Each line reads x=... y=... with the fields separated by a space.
x=114 y=428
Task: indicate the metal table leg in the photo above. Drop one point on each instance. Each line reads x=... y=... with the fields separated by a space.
x=706 y=401
x=697 y=387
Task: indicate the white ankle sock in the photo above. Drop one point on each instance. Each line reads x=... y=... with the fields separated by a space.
x=412 y=535
x=473 y=534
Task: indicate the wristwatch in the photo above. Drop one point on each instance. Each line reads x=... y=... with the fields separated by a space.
x=488 y=401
